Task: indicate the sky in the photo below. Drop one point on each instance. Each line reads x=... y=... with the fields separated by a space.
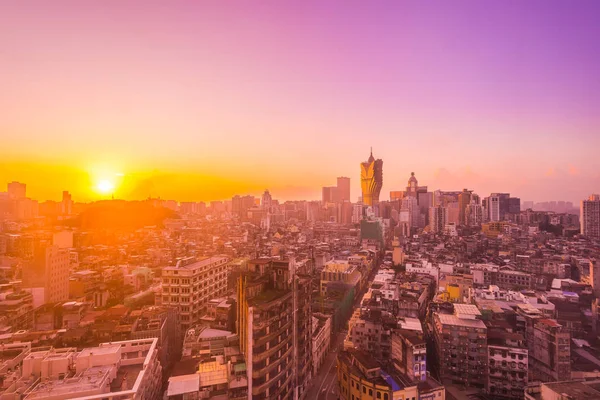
x=193 y=100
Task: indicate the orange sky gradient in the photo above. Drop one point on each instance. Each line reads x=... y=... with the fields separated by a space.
x=197 y=101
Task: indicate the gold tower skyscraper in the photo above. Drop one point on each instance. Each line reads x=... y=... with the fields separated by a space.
x=371 y=180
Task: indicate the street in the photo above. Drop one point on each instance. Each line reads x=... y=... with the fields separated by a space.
x=324 y=385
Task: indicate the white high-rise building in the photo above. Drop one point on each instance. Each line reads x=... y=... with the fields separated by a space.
x=590 y=217
x=494 y=208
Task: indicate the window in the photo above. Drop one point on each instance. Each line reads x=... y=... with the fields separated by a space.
x=385 y=396
x=378 y=395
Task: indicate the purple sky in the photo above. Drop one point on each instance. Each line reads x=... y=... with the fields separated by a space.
x=204 y=99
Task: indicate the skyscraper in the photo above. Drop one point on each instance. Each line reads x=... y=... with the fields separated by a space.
x=343 y=189
x=329 y=194
x=371 y=180
x=590 y=216
x=16 y=190
x=464 y=199
x=266 y=200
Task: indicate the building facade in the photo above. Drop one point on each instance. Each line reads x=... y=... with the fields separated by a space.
x=371 y=180
x=190 y=285
x=590 y=217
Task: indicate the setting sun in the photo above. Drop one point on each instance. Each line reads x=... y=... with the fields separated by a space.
x=105 y=186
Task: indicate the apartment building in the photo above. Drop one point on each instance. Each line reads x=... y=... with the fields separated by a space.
x=190 y=285
x=125 y=370
x=274 y=324
x=461 y=346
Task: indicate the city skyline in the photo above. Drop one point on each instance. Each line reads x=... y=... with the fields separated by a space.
x=201 y=102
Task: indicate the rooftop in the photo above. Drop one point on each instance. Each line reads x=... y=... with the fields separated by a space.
x=453 y=320
x=182 y=384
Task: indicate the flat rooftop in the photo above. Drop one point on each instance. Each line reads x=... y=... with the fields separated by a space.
x=453 y=320
x=200 y=263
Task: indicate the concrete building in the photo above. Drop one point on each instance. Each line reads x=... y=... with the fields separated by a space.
x=437 y=219
x=362 y=378
x=549 y=351
x=48 y=273
x=590 y=216
x=190 y=285
x=493 y=207
x=464 y=199
x=409 y=354
x=461 y=346
x=343 y=189
x=125 y=370
x=339 y=271
x=508 y=364
x=321 y=339
x=274 y=325
x=329 y=194
x=16 y=190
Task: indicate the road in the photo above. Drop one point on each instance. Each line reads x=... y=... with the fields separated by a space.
x=324 y=385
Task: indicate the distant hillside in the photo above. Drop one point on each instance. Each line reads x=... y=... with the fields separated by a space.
x=120 y=214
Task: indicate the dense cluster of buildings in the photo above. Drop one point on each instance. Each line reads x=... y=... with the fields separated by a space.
x=436 y=293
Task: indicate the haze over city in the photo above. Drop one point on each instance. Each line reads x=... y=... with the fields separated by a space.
x=201 y=101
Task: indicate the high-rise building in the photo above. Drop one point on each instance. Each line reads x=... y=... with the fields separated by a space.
x=241 y=204
x=493 y=207
x=49 y=270
x=343 y=189
x=514 y=205
x=437 y=219
x=190 y=285
x=16 y=190
x=503 y=205
x=329 y=194
x=66 y=206
x=266 y=200
x=274 y=325
x=590 y=216
x=464 y=199
x=371 y=180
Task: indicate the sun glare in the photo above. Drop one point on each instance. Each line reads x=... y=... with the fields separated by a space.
x=105 y=186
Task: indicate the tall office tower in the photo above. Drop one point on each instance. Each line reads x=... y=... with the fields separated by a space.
x=190 y=285
x=274 y=322
x=66 y=205
x=329 y=194
x=503 y=205
x=371 y=180
x=590 y=216
x=464 y=199
x=49 y=270
x=437 y=219
x=266 y=200
x=16 y=190
x=493 y=208
x=514 y=205
x=343 y=189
